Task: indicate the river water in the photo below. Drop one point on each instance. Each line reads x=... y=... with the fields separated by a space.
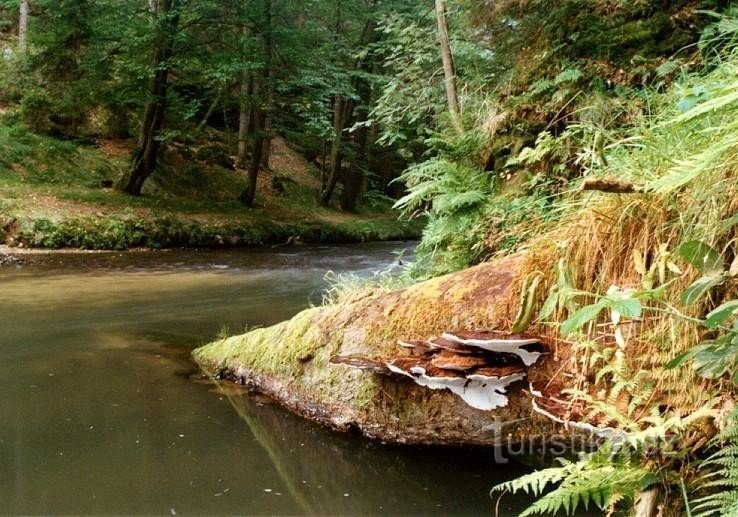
x=103 y=412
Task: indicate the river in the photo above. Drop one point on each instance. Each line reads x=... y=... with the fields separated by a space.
x=103 y=412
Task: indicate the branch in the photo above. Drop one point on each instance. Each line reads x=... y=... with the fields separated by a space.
x=612 y=186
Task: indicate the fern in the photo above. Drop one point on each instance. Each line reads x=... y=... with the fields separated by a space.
x=453 y=195
x=602 y=478
x=445 y=185
x=721 y=478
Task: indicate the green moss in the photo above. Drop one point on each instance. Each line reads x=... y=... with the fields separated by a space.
x=282 y=349
x=122 y=232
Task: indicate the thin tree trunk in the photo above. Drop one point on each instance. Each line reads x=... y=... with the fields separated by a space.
x=147 y=150
x=353 y=182
x=244 y=111
x=323 y=158
x=244 y=118
x=248 y=195
x=23 y=26
x=341 y=113
x=449 y=73
x=209 y=112
x=271 y=76
x=266 y=150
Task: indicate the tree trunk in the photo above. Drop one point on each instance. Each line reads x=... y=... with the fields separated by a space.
x=353 y=182
x=257 y=123
x=449 y=73
x=341 y=113
x=209 y=112
x=244 y=113
x=270 y=96
x=23 y=26
x=244 y=118
x=258 y=112
x=147 y=150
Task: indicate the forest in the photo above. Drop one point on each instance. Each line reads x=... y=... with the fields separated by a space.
x=567 y=167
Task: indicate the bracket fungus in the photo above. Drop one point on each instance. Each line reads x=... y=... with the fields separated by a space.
x=495 y=341
x=479 y=391
x=476 y=366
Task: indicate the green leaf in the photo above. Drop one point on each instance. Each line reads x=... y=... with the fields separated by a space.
x=629 y=307
x=721 y=313
x=549 y=306
x=680 y=359
x=527 y=303
x=581 y=318
x=700 y=287
x=714 y=358
x=599 y=498
x=702 y=256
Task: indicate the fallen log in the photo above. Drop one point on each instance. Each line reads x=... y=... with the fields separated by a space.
x=291 y=363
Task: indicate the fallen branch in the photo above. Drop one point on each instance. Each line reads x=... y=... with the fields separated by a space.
x=612 y=186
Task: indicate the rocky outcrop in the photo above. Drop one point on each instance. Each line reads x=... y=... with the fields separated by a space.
x=291 y=362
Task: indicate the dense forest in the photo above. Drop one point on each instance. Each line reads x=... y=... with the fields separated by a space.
x=594 y=141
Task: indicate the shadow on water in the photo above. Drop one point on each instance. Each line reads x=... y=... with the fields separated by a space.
x=102 y=411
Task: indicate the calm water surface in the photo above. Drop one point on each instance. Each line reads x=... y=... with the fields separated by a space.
x=102 y=411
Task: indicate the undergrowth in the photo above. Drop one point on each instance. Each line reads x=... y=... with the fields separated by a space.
x=644 y=298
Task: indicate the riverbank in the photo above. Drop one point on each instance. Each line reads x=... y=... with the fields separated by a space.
x=172 y=230
x=58 y=194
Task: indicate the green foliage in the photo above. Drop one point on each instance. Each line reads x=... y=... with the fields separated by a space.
x=720 y=475
x=712 y=358
x=528 y=302
x=452 y=193
x=602 y=479
x=623 y=303
x=702 y=256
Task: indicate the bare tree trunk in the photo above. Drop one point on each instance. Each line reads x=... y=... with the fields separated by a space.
x=449 y=73
x=147 y=150
x=244 y=118
x=266 y=151
x=323 y=158
x=258 y=112
x=341 y=114
x=257 y=123
x=216 y=100
x=23 y=26
x=353 y=181
x=271 y=77
x=244 y=112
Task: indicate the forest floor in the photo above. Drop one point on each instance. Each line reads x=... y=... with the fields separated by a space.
x=56 y=194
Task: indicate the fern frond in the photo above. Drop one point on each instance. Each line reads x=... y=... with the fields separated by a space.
x=603 y=478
